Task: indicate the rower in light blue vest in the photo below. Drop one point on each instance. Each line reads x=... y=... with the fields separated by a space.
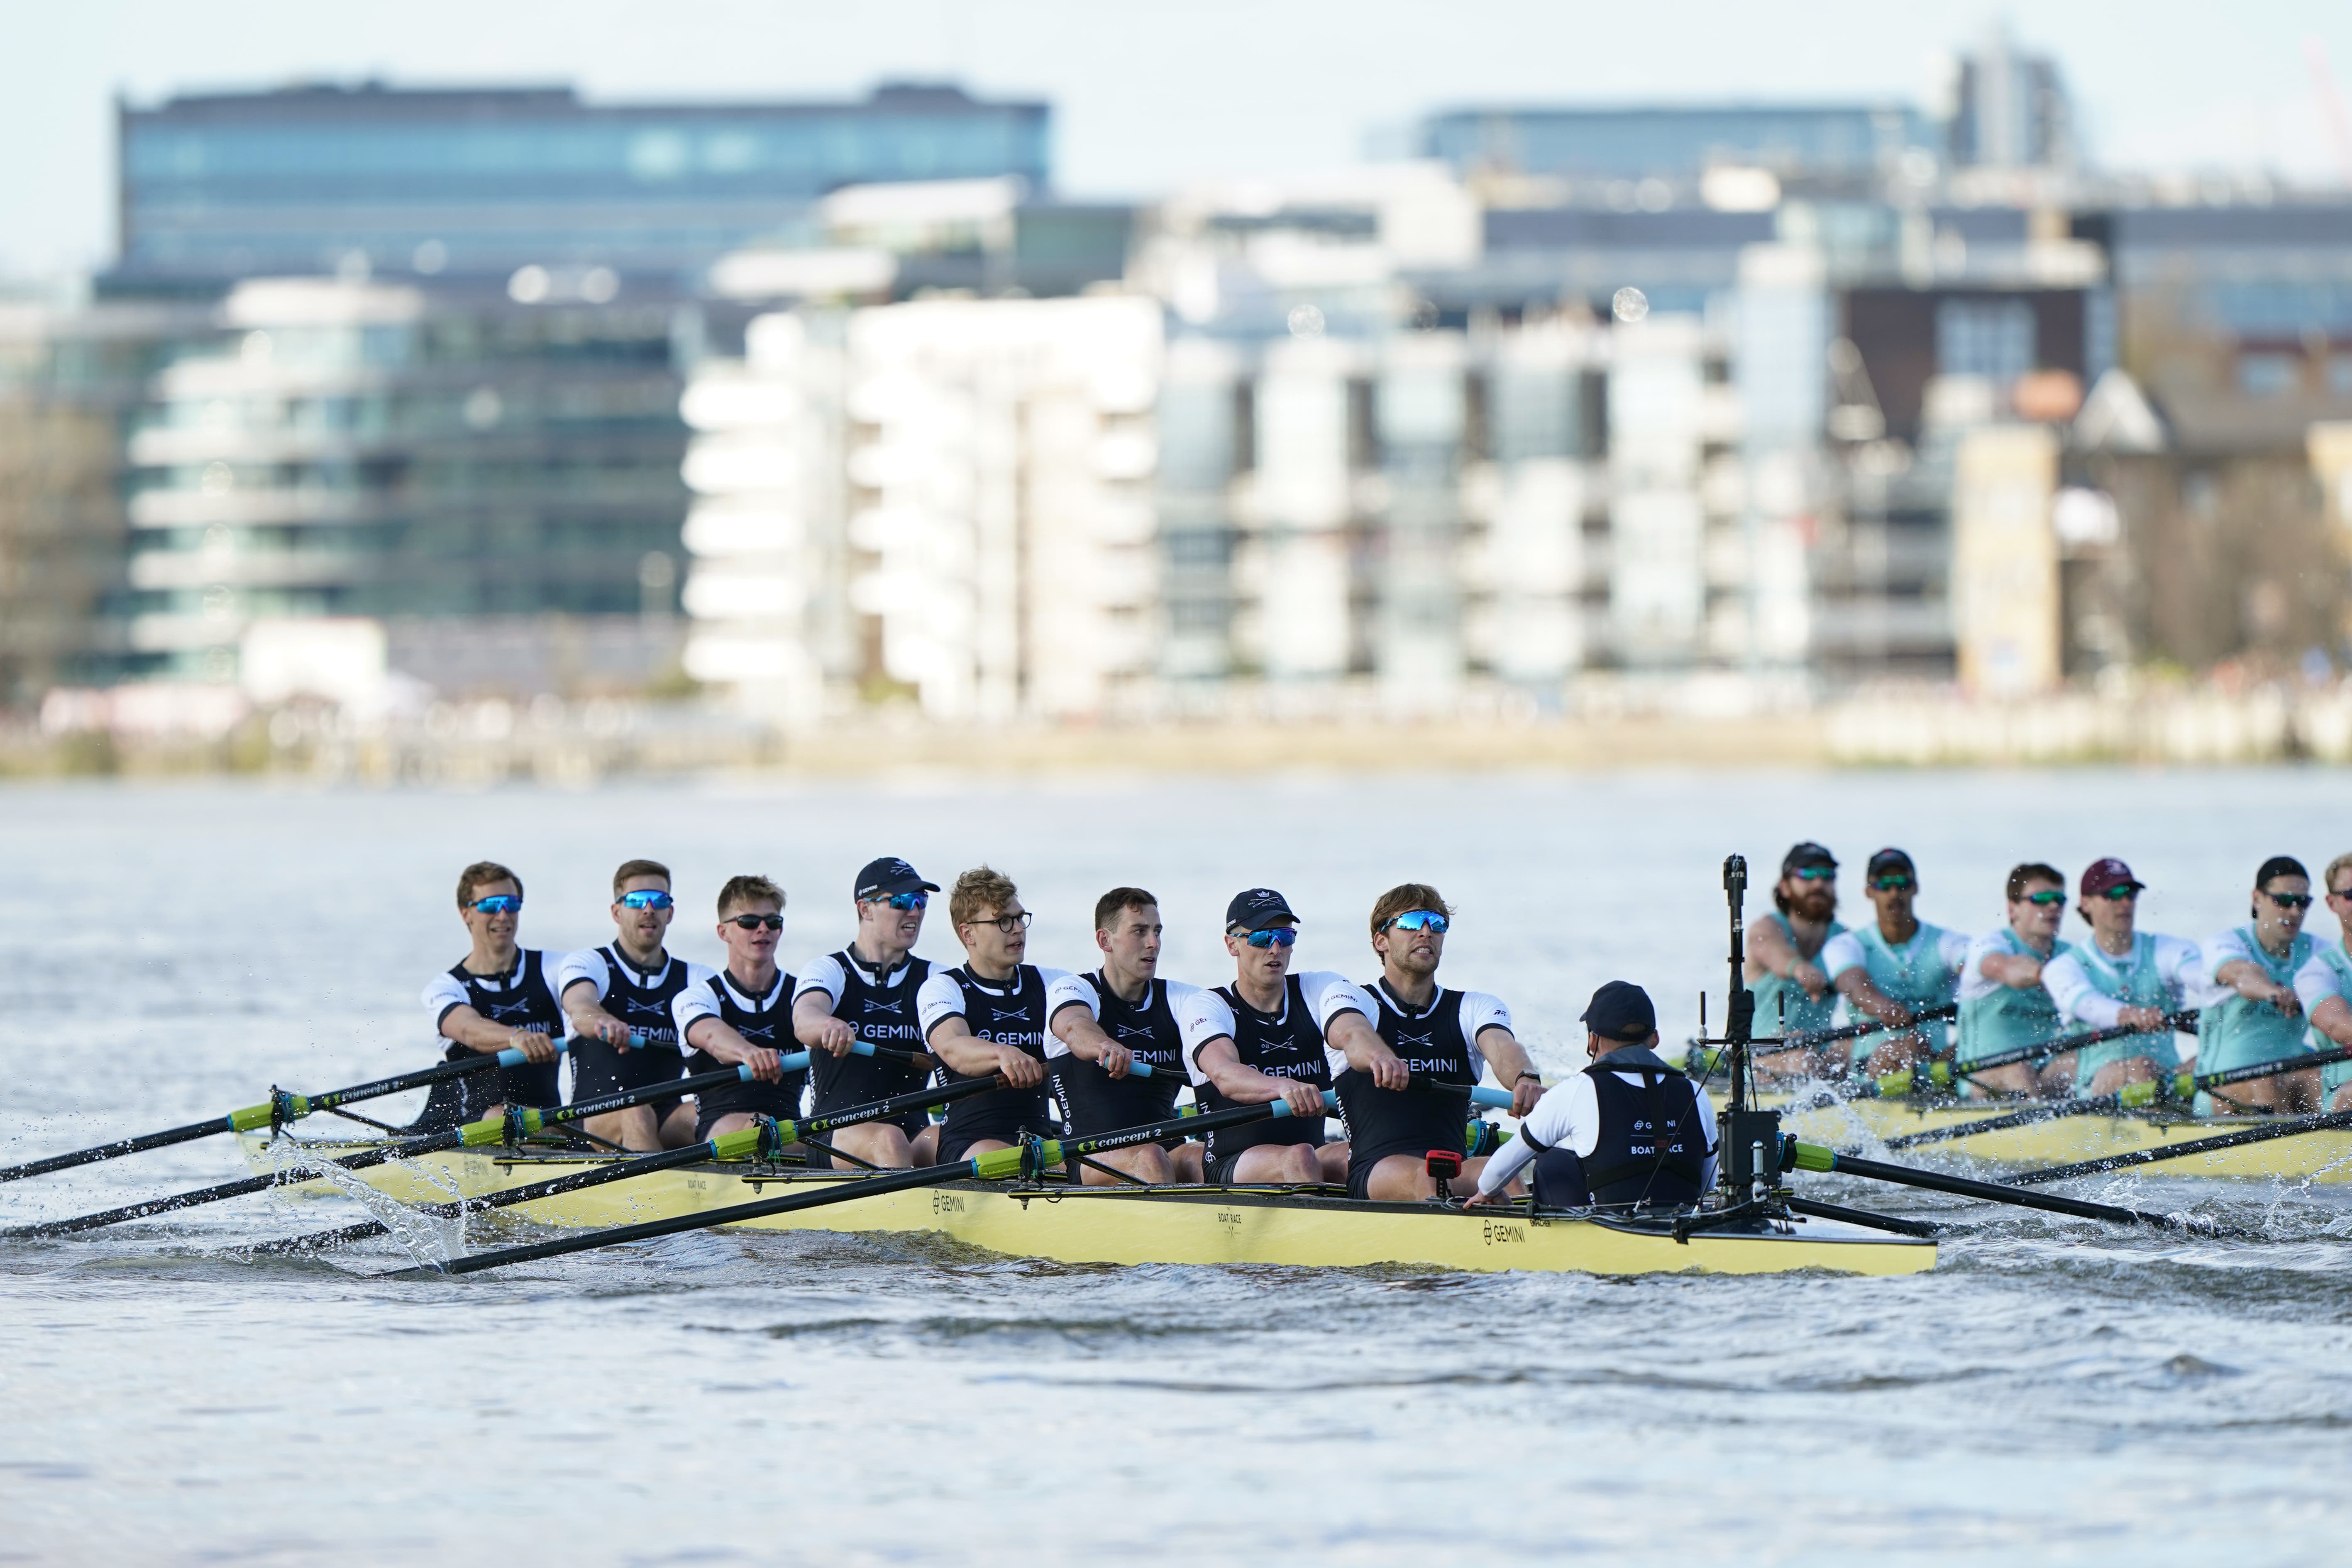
x=2254 y=1015
x=2123 y=978
x=2003 y=1006
x=2324 y=986
x=1784 y=953
x=1896 y=968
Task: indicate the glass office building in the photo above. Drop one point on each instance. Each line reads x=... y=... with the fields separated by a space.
x=1671 y=143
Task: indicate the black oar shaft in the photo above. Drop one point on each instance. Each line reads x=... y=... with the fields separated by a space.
x=2174 y=1023
x=1806 y=1042
x=2273 y=1068
x=1813 y=1158
x=2289 y=1128
x=2105 y=1104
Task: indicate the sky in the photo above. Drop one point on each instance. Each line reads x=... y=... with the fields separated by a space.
x=1148 y=93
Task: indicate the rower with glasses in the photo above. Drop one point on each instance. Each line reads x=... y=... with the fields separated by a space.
x=1419 y=1029
x=495 y=998
x=617 y=999
x=1271 y=1035
x=741 y=1016
x=986 y=1017
x=2253 y=1016
x=2122 y=978
x=866 y=992
x=1896 y=968
x=1108 y=1023
x=1785 y=956
x=2003 y=1006
x=2324 y=986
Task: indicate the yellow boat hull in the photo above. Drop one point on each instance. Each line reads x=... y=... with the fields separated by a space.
x=1161 y=1224
x=2323 y=1156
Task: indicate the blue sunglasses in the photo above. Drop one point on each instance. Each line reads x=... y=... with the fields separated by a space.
x=649 y=899
x=499 y=903
x=1273 y=936
x=1420 y=920
x=905 y=900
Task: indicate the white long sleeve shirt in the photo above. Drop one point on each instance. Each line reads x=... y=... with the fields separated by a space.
x=1569 y=1117
x=2067 y=977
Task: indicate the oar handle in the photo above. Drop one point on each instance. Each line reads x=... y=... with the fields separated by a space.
x=1479 y=1093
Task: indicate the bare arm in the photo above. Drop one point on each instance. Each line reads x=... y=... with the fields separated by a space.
x=953 y=1043
x=1078 y=1029
x=814 y=1026
x=2333 y=1018
x=1512 y=1067
x=1221 y=1064
x=2244 y=976
x=714 y=1036
x=478 y=1034
x=585 y=1011
x=1366 y=1051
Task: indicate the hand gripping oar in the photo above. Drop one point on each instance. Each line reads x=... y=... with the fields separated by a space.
x=2289 y=1128
x=517 y=1122
x=1942 y=1074
x=997 y=1164
x=762 y=1140
x=1813 y=1157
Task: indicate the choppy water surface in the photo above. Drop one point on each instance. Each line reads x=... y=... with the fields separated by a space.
x=2053 y=1391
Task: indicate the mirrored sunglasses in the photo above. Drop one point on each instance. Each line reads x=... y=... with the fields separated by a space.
x=904 y=901
x=1892 y=884
x=646 y=899
x=1814 y=873
x=2290 y=900
x=2047 y=897
x=1420 y=920
x=2121 y=893
x=1273 y=936
x=499 y=903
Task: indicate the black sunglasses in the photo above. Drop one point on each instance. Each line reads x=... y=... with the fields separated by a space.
x=753 y=923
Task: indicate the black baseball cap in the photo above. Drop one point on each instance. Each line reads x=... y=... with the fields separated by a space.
x=1887 y=862
x=1620 y=1010
x=890 y=875
x=1254 y=908
x=1806 y=853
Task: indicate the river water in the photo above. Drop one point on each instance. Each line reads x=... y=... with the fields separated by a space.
x=2054 y=1391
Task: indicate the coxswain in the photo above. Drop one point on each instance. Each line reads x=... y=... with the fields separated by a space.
x=987 y=1017
x=1444 y=1037
x=1896 y=968
x=499 y=997
x=866 y=992
x=741 y=1015
x=622 y=991
x=1107 y=1023
x=1784 y=957
x=1627 y=1130
x=2324 y=986
x=2253 y=1015
x=2002 y=1004
x=1271 y=1035
x=2122 y=978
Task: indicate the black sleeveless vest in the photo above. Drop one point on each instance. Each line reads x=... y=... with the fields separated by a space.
x=1290 y=1045
x=1384 y=1122
x=769 y=1024
x=1098 y=1103
x=644 y=1010
x=1012 y=1018
x=528 y=1004
x=882 y=1015
x=1652 y=1148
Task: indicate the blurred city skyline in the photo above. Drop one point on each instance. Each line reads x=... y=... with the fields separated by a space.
x=1148 y=96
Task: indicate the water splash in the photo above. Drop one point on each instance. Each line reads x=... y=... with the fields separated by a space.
x=427 y=1238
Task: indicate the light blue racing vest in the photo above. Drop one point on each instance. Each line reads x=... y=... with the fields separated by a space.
x=2336 y=1074
x=1804 y=1013
x=2135 y=981
x=1912 y=974
x=2238 y=1032
x=2010 y=1019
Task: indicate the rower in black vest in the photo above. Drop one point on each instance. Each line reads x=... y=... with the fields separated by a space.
x=987 y=1017
x=868 y=992
x=1108 y=1023
x=1627 y=1132
x=1444 y=1037
x=496 y=998
x=1270 y=1036
x=620 y=994
x=743 y=1017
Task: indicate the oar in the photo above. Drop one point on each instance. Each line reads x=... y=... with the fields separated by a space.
x=280 y=1107
x=2186 y=1085
x=517 y=1121
x=750 y=1142
x=2291 y=1128
x=997 y=1164
x=1806 y=1041
x=1813 y=1157
x=1942 y=1073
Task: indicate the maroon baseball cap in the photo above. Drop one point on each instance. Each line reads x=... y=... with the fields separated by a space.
x=2101 y=876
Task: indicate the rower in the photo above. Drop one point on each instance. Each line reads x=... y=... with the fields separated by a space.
x=2324 y=986
x=2254 y=1015
x=866 y=992
x=625 y=988
x=1271 y=1035
x=1896 y=968
x=987 y=1016
x=1447 y=1037
x=1107 y=1023
x=1627 y=1130
x=2002 y=1004
x=2123 y=978
x=1784 y=955
x=496 y=998
x=740 y=1016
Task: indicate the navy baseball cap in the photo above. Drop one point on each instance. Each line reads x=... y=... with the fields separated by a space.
x=1887 y=862
x=1620 y=1010
x=890 y=875
x=1806 y=853
x=1255 y=909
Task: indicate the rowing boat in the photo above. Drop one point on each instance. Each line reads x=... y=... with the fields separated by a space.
x=1135 y=1225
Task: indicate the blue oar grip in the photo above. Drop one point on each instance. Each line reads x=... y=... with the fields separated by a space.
x=792 y=1061
x=1482 y=1095
x=861 y=1047
x=744 y=1073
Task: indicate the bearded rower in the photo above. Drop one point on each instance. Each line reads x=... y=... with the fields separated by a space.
x=622 y=990
x=495 y=998
x=2254 y=1015
x=2003 y=1006
x=741 y=1016
x=1107 y=1023
x=1896 y=968
x=866 y=992
x=987 y=1017
x=1447 y=1036
x=2123 y=978
x=1784 y=956
x=2324 y=986
x=1271 y=1035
